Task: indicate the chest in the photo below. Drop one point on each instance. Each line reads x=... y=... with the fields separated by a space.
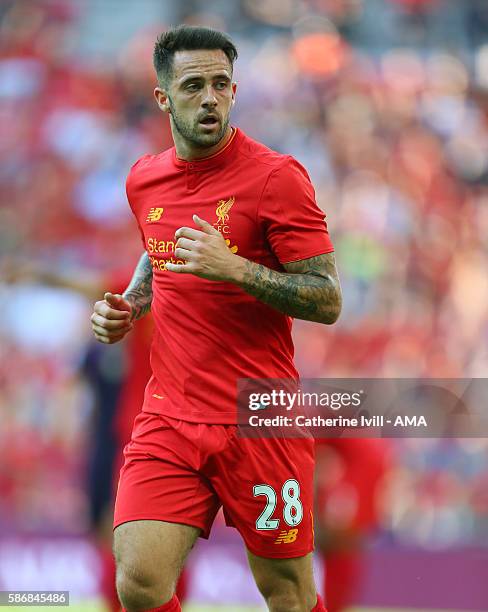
x=227 y=202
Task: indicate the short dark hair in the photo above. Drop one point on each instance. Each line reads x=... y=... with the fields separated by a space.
x=188 y=38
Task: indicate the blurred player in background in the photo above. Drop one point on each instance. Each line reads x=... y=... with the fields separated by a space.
x=350 y=474
x=218 y=317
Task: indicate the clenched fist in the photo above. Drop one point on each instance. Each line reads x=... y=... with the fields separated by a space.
x=204 y=252
x=111 y=319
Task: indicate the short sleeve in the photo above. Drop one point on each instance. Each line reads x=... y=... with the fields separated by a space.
x=130 y=190
x=294 y=225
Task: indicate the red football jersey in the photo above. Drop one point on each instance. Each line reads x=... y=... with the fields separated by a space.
x=209 y=334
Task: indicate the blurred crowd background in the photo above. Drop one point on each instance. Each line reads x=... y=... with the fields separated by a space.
x=386 y=104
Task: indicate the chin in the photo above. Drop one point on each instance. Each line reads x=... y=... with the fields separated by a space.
x=210 y=140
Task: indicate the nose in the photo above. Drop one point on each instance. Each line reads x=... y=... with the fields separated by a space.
x=209 y=100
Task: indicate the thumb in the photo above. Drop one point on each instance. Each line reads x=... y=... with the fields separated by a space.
x=205 y=226
x=115 y=300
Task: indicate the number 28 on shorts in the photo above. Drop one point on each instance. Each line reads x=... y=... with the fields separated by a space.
x=292 y=511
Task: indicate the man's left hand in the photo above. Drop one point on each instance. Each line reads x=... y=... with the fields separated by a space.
x=204 y=252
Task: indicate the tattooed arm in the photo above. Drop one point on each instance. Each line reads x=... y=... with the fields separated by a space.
x=139 y=292
x=309 y=289
x=112 y=317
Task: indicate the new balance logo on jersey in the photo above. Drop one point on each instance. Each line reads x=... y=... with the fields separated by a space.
x=154 y=215
x=287 y=537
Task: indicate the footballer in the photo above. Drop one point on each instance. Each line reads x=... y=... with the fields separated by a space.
x=235 y=247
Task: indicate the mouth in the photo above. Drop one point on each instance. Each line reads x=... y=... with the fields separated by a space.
x=210 y=121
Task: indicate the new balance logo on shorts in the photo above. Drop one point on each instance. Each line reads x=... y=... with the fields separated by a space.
x=287 y=537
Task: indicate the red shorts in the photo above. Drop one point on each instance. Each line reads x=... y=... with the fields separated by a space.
x=183 y=472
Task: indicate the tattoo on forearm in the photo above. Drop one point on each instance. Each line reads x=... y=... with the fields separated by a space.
x=309 y=289
x=139 y=292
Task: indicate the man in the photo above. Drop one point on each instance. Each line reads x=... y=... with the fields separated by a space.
x=235 y=246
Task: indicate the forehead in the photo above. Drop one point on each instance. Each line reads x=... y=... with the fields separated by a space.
x=200 y=61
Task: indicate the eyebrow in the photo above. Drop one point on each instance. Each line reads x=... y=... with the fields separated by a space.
x=222 y=77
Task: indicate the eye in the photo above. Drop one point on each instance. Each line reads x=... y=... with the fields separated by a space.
x=191 y=87
x=221 y=85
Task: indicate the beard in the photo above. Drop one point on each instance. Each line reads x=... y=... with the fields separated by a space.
x=191 y=131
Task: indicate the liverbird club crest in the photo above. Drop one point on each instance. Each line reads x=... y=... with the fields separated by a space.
x=222 y=212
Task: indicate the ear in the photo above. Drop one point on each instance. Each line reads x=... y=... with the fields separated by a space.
x=162 y=99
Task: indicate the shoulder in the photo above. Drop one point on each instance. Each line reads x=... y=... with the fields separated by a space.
x=260 y=154
x=147 y=165
x=272 y=162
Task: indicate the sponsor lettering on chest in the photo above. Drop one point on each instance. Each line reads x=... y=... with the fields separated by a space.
x=161 y=248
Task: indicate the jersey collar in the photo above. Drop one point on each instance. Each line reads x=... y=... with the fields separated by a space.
x=212 y=161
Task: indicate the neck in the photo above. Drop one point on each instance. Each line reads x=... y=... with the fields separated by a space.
x=187 y=151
